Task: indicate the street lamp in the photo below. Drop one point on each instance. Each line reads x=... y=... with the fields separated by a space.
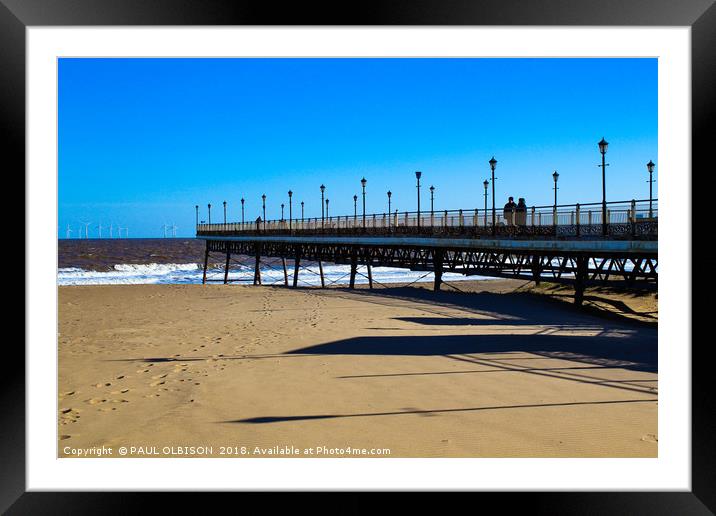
x=323 y=189
x=493 y=163
x=209 y=205
x=390 y=194
x=555 y=176
x=197 y=214
x=432 y=198
x=650 y=167
x=224 y=212
x=485 y=183
x=417 y=177
x=282 y=205
x=290 y=209
x=355 y=209
x=242 y=210
x=301 y=210
x=327 y=216
x=363 y=182
x=603 y=144
x=263 y=199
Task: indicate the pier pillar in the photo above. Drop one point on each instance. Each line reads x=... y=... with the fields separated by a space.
x=296 y=264
x=320 y=270
x=206 y=263
x=579 y=280
x=370 y=276
x=354 y=268
x=257 y=269
x=226 y=267
x=536 y=269
x=438 y=256
x=285 y=272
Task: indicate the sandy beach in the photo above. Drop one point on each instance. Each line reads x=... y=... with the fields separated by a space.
x=402 y=372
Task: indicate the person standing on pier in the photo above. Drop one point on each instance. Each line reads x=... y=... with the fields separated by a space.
x=521 y=212
x=509 y=211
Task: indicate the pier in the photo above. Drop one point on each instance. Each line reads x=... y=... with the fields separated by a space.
x=575 y=243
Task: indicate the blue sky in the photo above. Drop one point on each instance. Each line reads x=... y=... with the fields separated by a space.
x=141 y=141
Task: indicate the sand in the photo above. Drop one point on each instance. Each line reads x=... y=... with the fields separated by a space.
x=243 y=371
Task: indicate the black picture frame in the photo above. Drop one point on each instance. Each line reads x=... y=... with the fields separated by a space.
x=700 y=15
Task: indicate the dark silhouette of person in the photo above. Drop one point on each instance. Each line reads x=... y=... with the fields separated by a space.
x=521 y=212
x=509 y=211
x=258 y=223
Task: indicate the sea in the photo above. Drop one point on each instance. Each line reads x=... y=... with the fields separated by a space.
x=138 y=261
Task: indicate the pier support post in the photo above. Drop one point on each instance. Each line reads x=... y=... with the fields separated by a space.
x=320 y=270
x=285 y=272
x=296 y=265
x=579 y=280
x=354 y=267
x=536 y=269
x=366 y=257
x=206 y=263
x=438 y=256
x=226 y=267
x=257 y=269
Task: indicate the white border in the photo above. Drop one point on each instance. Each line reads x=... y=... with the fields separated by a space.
x=671 y=471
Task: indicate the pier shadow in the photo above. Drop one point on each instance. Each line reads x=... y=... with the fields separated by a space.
x=427 y=413
x=515 y=307
x=636 y=353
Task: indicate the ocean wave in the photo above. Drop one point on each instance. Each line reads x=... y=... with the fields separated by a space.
x=191 y=273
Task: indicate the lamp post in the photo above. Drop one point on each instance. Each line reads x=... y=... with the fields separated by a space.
x=323 y=189
x=224 y=212
x=355 y=209
x=555 y=176
x=197 y=214
x=603 y=144
x=650 y=167
x=327 y=216
x=263 y=200
x=485 y=183
x=390 y=194
x=493 y=163
x=282 y=205
x=301 y=211
x=242 y=210
x=417 y=177
x=432 y=198
x=209 y=206
x=363 y=182
x=290 y=209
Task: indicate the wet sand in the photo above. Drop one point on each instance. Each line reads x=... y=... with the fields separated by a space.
x=271 y=371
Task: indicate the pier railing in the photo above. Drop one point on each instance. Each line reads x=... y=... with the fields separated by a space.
x=626 y=219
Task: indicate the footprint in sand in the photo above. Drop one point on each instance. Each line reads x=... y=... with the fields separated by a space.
x=95 y=401
x=64 y=436
x=650 y=438
x=154 y=384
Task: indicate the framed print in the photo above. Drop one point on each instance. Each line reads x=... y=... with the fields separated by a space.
x=416 y=249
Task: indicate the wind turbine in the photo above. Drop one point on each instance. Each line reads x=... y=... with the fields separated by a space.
x=164 y=227
x=86 y=224
x=99 y=226
x=174 y=230
x=119 y=230
x=69 y=232
x=110 y=229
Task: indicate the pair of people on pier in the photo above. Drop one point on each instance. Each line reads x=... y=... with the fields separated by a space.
x=515 y=214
